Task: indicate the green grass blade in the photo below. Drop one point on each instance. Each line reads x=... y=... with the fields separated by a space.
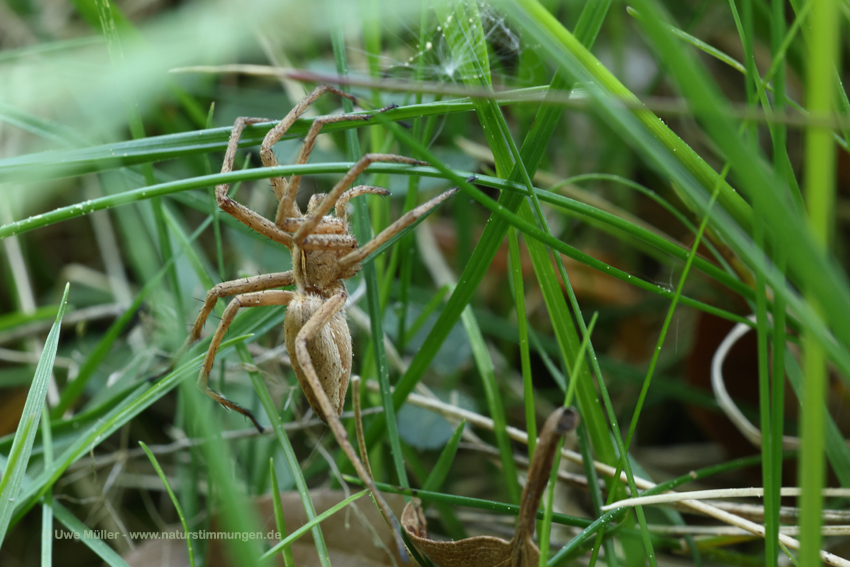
x=805 y=260
x=174 y=500
x=373 y=302
x=596 y=498
x=532 y=152
x=494 y=401
x=524 y=353
x=287 y=541
x=70 y=521
x=837 y=450
x=444 y=462
x=72 y=391
x=668 y=320
x=137 y=400
x=106 y=14
x=266 y=401
x=46 y=129
x=64 y=163
x=820 y=199
x=546 y=525
x=699 y=44
x=406 y=247
x=234 y=508
x=12 y=320
x=279 y=517
x=216 y=210
x=47 y=505
x=532 y=16
x=19 y=455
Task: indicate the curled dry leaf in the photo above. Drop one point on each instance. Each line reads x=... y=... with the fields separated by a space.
x=487 y=551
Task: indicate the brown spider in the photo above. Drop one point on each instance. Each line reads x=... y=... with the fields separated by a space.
x=324 y=254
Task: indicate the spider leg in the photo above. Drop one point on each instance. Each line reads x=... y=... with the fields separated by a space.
x=287 y=206
x=329 y=225
x=257 y=299
x=226 y=289
x=329 y=242
x=403 y=222
x=344 y=183
x=319 y=319
x=276 y=133
x=240 y=212
x=339 y=207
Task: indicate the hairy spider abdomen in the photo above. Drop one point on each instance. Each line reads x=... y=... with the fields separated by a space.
x=330 y=350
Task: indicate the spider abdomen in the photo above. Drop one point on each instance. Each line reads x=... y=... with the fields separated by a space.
x=330 y=350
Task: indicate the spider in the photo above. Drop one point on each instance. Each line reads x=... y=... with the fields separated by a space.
x=324 y=254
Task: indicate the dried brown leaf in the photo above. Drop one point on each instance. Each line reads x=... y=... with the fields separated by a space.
x=488 y=551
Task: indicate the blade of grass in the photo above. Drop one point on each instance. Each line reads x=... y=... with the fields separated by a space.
x=820 y=198
x=287 y=541
x=780 y=41
x=596 y=498
x=279 y=517
x=494 y=401
x=77 y=210
x=174 y=501
x=19 y=455
x=406 y=247
x=507 y=159
x=444 y=462
x=267 y=403
x=362 y=231
x=232 y=506
x=524 y=353
x=837 y=450
x=805 y=261
x=80 y=530
x=137 y=129
x=64 y=163
x=546 y=525
x=138 y=399
x=216 y=211
x=73 y=390
x=38 y=126
x=771 y=476
x=47 y=504
x=669 y=318
x=698 y=43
